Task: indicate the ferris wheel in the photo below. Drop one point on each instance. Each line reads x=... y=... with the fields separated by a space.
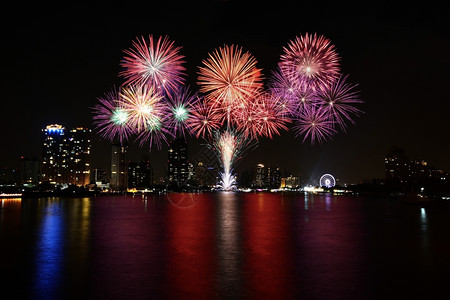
x=327 y=180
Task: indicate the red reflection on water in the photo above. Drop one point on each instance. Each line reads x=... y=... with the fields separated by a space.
x=190 y=249
x=268 y=248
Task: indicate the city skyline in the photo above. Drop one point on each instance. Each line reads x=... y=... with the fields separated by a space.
x=64 y=63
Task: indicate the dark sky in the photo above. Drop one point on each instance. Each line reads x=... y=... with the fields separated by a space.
x=58 y=60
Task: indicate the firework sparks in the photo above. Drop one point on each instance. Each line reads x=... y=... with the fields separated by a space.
x=228 y=145
x=314 y=124
x=204 y=120
x=232 y=109
x=229 y=77
x=311 y=59
x=147 y=113
x=111 y=119
x=157 y=63
x=180 y=106
x=338 y=100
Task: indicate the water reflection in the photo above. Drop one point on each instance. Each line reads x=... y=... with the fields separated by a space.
x=223 y=246
x=229 y=228
x=267 y=249
x=49 y=251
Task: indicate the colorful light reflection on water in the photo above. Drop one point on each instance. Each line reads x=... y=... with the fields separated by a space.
x=222 y=245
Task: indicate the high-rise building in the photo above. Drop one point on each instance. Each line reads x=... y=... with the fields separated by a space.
x=119 y=167
x=206 y=166
x=177 y=164
x=140 y=175
x=79 y=155
x=66 y=155
x=99 y=176
x=55 y=154
x=29 y=170
x=260 y=177
x=412 y=175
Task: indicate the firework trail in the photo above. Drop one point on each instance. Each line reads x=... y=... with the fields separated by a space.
x=156 y=62
x=229 y=144
x=111 y=118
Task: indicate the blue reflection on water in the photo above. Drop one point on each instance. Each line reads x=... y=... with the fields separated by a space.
x=49 y=252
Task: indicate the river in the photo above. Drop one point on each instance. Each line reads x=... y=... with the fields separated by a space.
x=223 y=246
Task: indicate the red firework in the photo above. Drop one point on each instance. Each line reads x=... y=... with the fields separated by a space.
x=204 y=120
x=157 y=63
x=310 y=59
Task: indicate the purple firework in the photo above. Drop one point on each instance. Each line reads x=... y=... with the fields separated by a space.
x=294 y=96
x=314 y=123
x=111 y=119
x=338 y=100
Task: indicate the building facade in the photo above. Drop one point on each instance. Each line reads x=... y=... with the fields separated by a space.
x=66 y=155
x=119 y=167
x=177 y=164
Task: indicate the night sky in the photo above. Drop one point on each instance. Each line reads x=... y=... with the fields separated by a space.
x=58 y=60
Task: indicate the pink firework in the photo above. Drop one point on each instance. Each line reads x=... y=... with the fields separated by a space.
x=312 y=60
x=157 y=63
x=229 y=77
x=294 y=95
x=204 y=120
x=111 y=118
x=314 y=124
x=338 y=100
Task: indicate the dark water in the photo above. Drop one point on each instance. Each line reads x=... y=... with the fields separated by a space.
x=223 y=246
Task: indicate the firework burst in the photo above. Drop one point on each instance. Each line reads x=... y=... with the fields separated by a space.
x=180 y=107
x=147 y=113
x=111 y=118
x=311 y=60
x=204 y=120
x=229 y=77
x=156 y=62
x=314 y=123
x=338 y=100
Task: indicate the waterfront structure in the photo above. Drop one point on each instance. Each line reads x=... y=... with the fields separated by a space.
x=66 y=155
x=79 y=142
x=140 y=175
x=290 y=182
x=29 y=170
x=413 y=175
x=260 y=177
x=99 y=176
x=119 y=167
x=206 y=167
x=177 y=163
x=54 y=156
